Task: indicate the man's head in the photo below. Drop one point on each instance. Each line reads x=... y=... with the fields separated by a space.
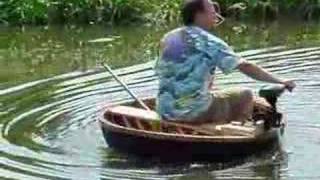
x=204 y=13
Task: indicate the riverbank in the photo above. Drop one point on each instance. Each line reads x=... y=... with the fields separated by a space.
x=154 y=12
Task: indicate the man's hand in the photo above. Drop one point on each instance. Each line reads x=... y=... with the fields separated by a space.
x=290 y=85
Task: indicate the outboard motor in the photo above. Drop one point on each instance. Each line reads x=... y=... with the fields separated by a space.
x=271 y=94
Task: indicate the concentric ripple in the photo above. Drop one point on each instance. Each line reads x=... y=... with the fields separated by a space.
x=49 y=129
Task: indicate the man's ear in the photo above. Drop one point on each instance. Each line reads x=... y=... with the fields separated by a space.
x=161 y=44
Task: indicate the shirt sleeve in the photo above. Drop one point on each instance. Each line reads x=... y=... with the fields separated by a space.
x=227 y=59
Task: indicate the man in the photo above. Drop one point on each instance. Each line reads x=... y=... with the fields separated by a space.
x=190 y=56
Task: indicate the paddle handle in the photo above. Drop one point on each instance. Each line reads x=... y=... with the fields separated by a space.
x=108 y=68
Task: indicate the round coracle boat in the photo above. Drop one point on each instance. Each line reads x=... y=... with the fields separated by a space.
x=130 y=129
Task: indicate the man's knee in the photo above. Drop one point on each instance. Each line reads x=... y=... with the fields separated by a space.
x=247 y=95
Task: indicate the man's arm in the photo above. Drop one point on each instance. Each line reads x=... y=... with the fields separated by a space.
x=260 y=74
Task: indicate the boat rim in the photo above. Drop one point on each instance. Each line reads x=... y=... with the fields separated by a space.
x=106 y=124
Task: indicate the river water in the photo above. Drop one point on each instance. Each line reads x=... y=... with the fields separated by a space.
x=51 y=90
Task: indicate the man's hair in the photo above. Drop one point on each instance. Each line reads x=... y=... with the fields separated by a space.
x=189 y=10
x=191 y=7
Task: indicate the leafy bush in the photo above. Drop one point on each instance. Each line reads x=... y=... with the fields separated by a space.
x=152 y=11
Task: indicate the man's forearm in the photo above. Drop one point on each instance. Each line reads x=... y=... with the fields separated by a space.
x=258 y=73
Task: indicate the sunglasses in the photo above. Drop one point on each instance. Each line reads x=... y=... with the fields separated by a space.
x=220 y=19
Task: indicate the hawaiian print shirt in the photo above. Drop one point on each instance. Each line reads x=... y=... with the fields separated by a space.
x=186 y=67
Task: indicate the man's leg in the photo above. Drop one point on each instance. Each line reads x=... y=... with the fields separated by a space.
x=242 y=107
x=232 y=105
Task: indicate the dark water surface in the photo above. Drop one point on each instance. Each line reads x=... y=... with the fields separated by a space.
x=51 y=91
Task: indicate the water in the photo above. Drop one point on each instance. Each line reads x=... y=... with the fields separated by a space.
x=51 y=91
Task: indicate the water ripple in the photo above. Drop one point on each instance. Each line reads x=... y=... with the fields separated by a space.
x=48 y=128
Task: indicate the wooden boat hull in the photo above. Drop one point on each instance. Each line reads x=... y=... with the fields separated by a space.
x=133 y=130
x=128 y=130
x=173 y=149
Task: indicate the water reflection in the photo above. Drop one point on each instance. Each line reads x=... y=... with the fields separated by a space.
x=267 y=165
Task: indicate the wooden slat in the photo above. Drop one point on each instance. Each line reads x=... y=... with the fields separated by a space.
x=195 y=133
x=110 y=118
x=194 y=128
x=134 y=112
x=126 y=122
x=138 y=123
x=179 y=130
x=230 y=129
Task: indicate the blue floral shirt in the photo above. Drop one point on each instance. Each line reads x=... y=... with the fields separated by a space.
x=188 y=61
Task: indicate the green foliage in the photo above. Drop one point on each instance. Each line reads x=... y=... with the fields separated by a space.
x=31 y=11
x=151 y=11
x=164 y=11
x=266 y=9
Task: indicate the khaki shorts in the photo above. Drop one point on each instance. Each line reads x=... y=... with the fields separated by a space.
x=223 y=107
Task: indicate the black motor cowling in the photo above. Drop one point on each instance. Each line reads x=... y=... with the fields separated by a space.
x=272 y=117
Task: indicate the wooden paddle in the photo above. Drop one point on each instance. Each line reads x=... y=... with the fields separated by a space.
x=141 y=103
